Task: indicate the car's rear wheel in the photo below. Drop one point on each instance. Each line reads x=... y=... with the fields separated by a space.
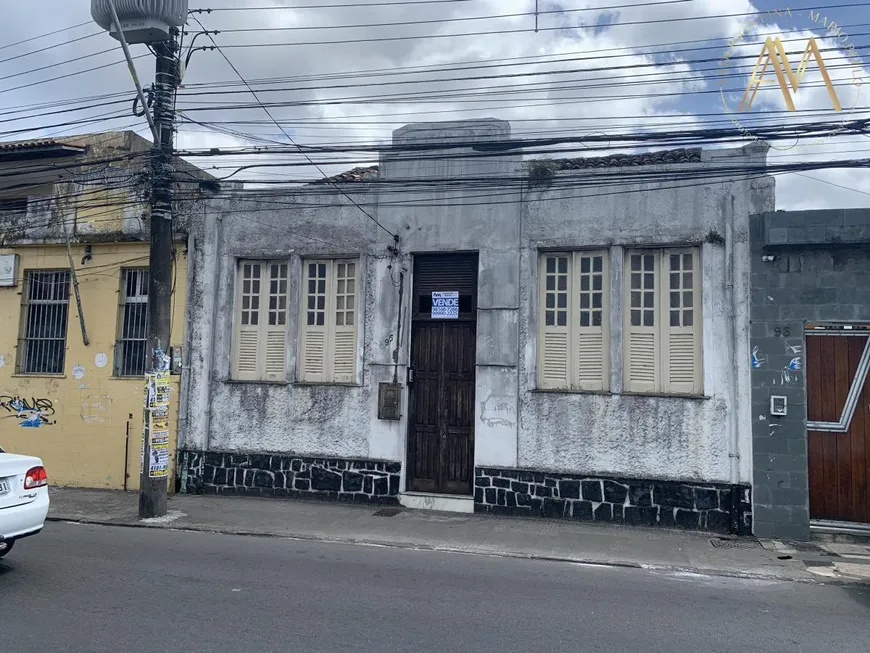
x=5 y=547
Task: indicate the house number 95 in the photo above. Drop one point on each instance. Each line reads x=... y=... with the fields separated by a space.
x=786 y=332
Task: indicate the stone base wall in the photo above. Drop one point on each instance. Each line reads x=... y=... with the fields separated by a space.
x=670 y=504
x=362 y=481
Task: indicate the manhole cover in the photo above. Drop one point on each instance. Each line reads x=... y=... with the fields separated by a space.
x=725 y=543
x=388 y=512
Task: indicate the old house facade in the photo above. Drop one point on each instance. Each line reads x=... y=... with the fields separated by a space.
x=73 y=305
x=566 y=338
x=810 y=360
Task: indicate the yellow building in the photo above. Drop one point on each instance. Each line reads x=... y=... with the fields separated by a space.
x=73 y=302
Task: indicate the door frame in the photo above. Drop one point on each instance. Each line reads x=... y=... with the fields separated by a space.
x=413 y=317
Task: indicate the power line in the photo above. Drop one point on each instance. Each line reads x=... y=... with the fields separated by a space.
x=49 y=47
x=831 y=183
x=289 y=138
x=42 y=36
x=56 y=64
x=332 y=6
x=511 y=31
x=68 y=75
x=540 y=73
x=443 y=20
x=472 y=97
x=527 y=60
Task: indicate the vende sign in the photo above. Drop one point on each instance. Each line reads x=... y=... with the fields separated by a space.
x=445 y=305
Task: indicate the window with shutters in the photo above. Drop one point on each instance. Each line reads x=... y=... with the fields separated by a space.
x=329 y=318
x=573 y=319
x=261 y=321
x=662 y=334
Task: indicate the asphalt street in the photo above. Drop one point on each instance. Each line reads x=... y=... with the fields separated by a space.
x=77 y=588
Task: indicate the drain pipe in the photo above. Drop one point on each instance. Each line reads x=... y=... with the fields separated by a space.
x=733 y=448
x=183 y=398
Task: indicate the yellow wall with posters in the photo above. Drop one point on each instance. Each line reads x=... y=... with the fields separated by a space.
x=83 y=436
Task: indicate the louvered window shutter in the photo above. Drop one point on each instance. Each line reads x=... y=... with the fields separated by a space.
x=642 y=351
x=681 y=342
x=315 y=329
x=344 y=324
x=554 y=349
x=247 y=356
x=590 y=344
x=275 y=326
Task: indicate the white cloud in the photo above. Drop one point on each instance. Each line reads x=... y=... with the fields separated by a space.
x=575 y=100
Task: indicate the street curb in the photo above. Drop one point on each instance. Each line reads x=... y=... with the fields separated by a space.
x=450 y=549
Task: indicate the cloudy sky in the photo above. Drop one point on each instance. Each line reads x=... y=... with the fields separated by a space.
x=348 y=72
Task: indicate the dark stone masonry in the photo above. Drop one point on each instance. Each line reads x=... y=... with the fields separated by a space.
x=670 y=504
x=361 y=481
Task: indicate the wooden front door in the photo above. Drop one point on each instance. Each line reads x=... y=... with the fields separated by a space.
x=442 y=378
x=838 y=425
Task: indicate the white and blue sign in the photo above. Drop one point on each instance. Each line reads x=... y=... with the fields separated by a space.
x=445 y=305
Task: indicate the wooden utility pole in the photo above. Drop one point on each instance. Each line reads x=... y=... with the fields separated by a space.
x=152 y=487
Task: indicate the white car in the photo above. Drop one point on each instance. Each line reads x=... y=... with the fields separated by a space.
x=23 y=498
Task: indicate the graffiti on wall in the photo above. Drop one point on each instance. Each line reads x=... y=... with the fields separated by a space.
x=32 y=413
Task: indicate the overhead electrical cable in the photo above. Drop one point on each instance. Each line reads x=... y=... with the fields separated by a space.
x=47 y=34
x=513 y=31
x=438 y=21
x=289 y=138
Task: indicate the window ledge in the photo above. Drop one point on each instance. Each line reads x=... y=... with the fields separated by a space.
x=608 y=393
x=38 y=376
x=569 y=391
x=231 y=381
x=328 y=384
x=666 y=395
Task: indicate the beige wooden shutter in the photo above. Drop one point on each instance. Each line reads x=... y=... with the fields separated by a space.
x=642 y=319
x=315 y=328
x=554 y=350
x=275 y=327
x=248 y=318
x=344 y=322
x=591 y=313
x=682 y=343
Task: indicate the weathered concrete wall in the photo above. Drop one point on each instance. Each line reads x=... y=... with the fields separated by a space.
x=98 y=195
x=516 y=425
x=646 y=436
x=287 y=416
x=821 y=273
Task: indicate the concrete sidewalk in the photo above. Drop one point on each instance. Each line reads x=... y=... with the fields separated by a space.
x=579 y=542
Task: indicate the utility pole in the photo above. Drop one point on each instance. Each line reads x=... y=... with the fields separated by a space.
x=155 y=23
x=152 y=488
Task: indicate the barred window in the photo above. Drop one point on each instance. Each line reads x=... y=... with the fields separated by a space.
x=42 y=345
x=132 y=352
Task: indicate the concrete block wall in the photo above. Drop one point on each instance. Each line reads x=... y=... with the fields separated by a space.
x=819 y=272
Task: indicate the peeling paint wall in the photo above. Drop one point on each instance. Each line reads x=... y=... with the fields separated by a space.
x=77 y=421
x=516 y=425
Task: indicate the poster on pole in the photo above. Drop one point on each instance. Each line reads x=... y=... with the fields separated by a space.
x=159 y=462
x=445 y=305
x=156 y=424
